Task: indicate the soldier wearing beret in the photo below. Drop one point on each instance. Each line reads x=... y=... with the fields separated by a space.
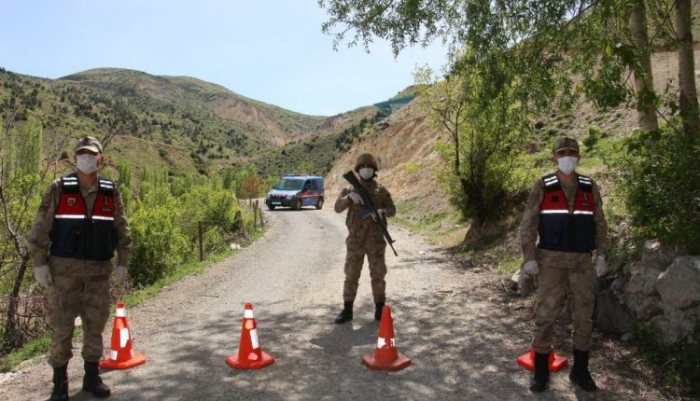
x=80 y=224
x=563 y=224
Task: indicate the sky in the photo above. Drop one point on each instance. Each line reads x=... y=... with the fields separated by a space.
x=268 y=50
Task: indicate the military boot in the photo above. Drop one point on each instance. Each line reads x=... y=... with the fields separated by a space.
x=580 y=375
x=541 y=378
x=60 y=384
x=345 y=314
x=378 y=309
x=92 y=382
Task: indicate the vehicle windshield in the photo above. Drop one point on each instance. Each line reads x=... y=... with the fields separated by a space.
x=289 y=184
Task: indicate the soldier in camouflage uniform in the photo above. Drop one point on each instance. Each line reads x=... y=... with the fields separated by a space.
x=80 y=223
x=364 y=237
x=565 y=211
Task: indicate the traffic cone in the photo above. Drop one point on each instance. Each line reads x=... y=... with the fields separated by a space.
x=250 y=355
x=121 y=356
x=386 y=357
x=556 y=362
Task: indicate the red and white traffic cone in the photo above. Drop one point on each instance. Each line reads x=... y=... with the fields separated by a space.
x=250 y=355
x=556 y=361
x=121 y=355
x=385 y=356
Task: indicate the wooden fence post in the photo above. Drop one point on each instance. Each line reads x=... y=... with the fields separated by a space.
x=262 y=222
x=255 y=213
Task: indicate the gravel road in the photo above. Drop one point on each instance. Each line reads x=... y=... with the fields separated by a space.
x=462 y=340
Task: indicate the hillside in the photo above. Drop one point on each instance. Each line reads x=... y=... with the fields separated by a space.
x=259 y=121
x=181 y=124
x=408 y=160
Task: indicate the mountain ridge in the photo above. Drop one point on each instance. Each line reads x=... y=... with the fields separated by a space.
x=189 y=125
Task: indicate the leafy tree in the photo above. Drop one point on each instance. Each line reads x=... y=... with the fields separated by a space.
x=555 y=41
x=484 y=137
x=688 y=97
x=660 y=180
x=22 y=180
x=557 y=51
x=229 y=177
x=124 y=182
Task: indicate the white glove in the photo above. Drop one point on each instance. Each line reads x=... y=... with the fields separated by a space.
x=42 y=274
x=530 y=267
x=381 y=213
x=601 y=266
x=355 y=198
x=120 y=274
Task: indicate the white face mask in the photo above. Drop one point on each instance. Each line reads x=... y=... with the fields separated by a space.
x=567 y=164
x=86 y=163
x=366 y=173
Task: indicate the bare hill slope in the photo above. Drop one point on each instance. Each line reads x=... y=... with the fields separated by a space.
x=408 y=161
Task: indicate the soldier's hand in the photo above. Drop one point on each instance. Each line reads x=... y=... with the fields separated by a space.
x=601 y=266
x=120 y=274
x=355 y=198
x=381 y=213
x=42 y=274
x=530 y=267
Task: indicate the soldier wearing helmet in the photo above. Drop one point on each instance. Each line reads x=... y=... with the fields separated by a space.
x=364 y=237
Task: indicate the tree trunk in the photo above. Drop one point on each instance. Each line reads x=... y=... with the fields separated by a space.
x=10 y=333
x=643 y=75
x=688 y=99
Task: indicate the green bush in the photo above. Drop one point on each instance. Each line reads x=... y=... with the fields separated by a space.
x=165 y=224
x=592 y=139
x=659 y=176
x=159 y=244
x=216 y=209
x=678 y=364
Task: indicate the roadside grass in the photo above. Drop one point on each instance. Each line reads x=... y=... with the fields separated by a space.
x=678 y=365
x=33 y=348
x=509 y=265
x=41 y=344
x=440 y=226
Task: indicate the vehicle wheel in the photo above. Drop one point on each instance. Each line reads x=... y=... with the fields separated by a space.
x=297 y=204
x=319 y=205
x=270 y=207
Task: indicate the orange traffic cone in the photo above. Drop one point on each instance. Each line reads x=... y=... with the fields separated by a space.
x=386 y=357
x=121 y=356
x=556 y=362
x=250 y=355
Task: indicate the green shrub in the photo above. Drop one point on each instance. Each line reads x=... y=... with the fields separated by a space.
x=159 y=245
x=659 y=176
x=592 y=139
x=678 y=364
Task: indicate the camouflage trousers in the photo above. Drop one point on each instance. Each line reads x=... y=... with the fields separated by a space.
x=358 y=246
x=68 y=298
x=576 y=286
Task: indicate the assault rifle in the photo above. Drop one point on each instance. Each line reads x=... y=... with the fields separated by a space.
x=369 y=207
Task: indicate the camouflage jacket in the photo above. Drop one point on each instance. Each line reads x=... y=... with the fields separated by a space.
x=381 y=199
x=530 y=224
x=39 y=242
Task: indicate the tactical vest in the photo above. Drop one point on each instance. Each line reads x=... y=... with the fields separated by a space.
x=74 y=233
x=560 y=230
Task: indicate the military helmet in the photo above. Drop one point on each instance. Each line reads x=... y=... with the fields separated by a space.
x=366 y=158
